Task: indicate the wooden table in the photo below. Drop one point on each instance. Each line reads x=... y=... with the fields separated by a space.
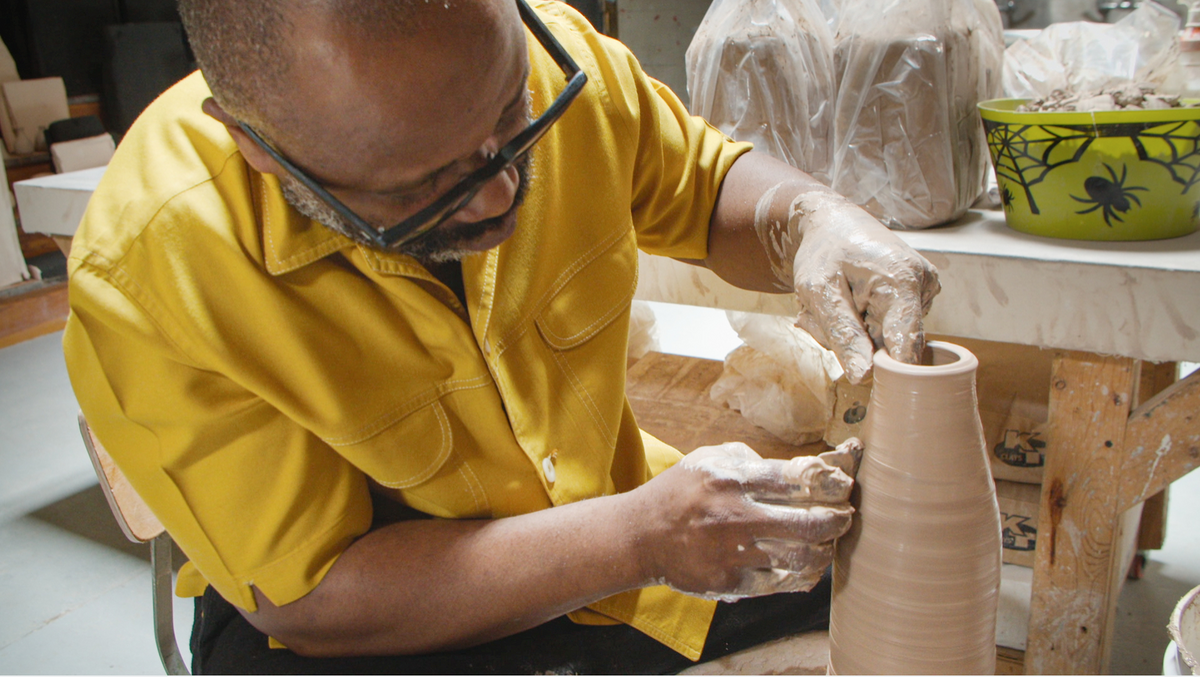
x=1117 y=315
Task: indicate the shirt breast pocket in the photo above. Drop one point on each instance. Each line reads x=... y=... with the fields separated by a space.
x=405 y=453
x=584 y=332
x=592 y=298
x=420 y=461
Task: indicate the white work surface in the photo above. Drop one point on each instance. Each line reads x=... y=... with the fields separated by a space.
x=1135 y=299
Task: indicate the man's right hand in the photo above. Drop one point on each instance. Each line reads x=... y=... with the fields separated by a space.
x=722 y=523
x=725 y=523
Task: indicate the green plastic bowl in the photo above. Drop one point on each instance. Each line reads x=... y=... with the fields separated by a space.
x=1116 y=175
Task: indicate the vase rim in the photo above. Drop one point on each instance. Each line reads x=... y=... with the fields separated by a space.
x=966 y=362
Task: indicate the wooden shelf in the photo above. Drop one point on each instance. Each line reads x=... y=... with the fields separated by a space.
x=28 y=314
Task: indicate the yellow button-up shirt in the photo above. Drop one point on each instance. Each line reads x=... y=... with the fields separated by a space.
x=257 y=375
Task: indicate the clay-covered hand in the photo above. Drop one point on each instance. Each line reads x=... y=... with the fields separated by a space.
x=859 y=286
x=725 y=523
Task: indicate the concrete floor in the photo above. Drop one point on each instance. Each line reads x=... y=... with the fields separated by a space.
x=76 y=595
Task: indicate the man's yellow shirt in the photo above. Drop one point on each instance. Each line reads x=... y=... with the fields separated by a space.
x=258 y=376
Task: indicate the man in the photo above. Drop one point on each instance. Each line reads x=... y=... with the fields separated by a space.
x=345 y=291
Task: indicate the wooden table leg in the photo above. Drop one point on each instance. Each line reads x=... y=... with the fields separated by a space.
x=1077 y=568
x=1106 y=461
x=1152 y=530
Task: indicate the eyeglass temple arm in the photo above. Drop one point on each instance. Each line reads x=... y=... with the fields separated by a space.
x=559 y=54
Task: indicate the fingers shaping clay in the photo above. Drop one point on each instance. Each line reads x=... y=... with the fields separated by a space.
x=916 y=579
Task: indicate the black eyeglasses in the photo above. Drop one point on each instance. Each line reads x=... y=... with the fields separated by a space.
x=457 y=197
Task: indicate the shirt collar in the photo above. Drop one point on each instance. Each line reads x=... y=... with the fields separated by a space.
x=290 y=239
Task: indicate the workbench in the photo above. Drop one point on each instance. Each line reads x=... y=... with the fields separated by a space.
x=1118 y=316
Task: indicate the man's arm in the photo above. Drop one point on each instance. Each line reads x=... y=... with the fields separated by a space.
x=430 y=585
x=859 y=286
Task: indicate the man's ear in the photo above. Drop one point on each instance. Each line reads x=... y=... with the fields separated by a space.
x=255 y=156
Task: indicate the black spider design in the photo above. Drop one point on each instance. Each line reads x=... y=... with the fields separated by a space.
x=1006 y=197
x=1110 y=196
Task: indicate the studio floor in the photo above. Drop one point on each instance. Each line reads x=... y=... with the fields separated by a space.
x=75 y=594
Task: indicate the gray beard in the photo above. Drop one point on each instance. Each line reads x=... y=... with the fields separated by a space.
x=435 y=246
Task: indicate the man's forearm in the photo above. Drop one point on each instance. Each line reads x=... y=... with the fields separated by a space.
x=721 y=523
x=430 y=585
x=736 y=251
x=858 y=286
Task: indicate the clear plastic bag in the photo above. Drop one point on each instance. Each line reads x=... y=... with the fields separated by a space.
x=643 y=331
x=761 y=71
x=1079 y=57
x=909 y=145
x=781 y=379
x=832 y=9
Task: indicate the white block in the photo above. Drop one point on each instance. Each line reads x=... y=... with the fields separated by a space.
x=72 y=156
x=8 y=67
x=1012 y=613
x=29 y=108
x=12 y=263
x=54 y=205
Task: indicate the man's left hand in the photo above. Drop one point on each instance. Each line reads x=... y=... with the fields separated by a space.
x=859 y=286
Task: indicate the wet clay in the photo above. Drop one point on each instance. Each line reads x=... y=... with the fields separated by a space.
x=909 y=146
x=916 y=579
x=761 y=71
x=1128 y=97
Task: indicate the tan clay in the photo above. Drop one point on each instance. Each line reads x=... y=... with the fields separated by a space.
x=916 y=579
x=761 y=71
x=909 y=146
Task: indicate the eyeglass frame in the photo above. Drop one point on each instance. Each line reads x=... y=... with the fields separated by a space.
x=453 y=200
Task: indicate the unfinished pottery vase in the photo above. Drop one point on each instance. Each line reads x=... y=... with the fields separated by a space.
x=916 y=579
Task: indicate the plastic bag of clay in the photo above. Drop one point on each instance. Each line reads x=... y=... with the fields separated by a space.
x=832 y=11
x=1079 y=57
x=909 y=146
x=780 y=379
x=761 y=71
x=643 y=331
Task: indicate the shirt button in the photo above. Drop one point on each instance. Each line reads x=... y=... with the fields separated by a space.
x=548 y=469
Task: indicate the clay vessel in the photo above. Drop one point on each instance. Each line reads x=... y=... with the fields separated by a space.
x=916 y=579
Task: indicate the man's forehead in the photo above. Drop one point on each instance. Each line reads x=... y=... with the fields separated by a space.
x=402 y=104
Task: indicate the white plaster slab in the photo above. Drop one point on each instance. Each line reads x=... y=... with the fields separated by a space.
x=54 y=204
x=1012 y=611
x=80 y=154
x=12 y=263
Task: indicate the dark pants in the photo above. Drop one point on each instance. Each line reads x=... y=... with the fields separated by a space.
x=225 y=643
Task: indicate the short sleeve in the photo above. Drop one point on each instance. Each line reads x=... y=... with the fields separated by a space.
x=680 y=163
x=252 y=498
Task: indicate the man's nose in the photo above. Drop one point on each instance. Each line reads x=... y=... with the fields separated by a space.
x=493 y=199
